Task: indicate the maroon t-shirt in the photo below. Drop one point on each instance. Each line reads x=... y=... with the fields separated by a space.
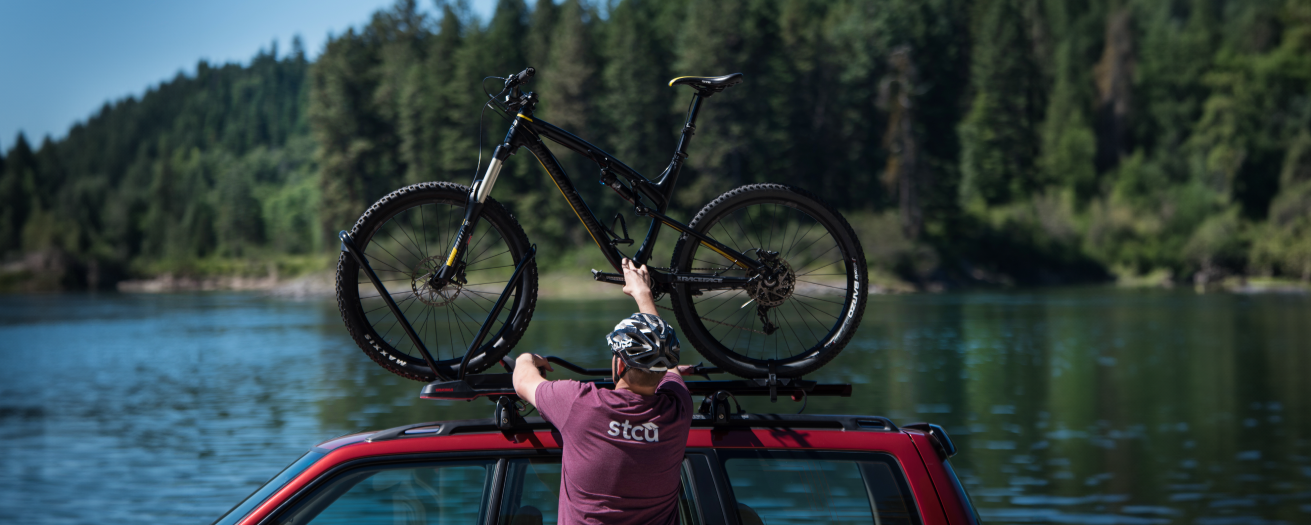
x=622 y=450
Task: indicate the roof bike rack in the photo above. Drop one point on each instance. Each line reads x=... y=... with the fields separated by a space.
x=443 y=373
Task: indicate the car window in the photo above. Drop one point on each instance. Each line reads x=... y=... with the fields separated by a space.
x=532 y=492
x=531 y=495
x=272 y=486
x=797 y=487
x=414 y=494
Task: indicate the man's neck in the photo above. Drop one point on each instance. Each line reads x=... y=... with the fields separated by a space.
x=640 y=390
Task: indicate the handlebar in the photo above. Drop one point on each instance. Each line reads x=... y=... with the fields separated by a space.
x=519 y=79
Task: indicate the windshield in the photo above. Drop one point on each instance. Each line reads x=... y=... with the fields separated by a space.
x=252 y=501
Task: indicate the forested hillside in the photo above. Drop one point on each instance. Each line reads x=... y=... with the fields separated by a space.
x=994 y=141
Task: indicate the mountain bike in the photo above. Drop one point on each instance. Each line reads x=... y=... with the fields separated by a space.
x=765 y=281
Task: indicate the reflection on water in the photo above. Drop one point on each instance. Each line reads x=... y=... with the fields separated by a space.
x=1084 y=406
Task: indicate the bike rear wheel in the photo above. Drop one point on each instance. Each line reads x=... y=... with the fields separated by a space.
x=407 y=235
x=790 y=324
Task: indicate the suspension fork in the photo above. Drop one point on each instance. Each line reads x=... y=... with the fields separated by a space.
x=478 y=192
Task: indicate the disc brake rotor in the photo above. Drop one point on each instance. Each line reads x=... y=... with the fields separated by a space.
x=774 y=284
x=425 y=292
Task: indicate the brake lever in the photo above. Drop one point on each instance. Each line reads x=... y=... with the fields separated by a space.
x=699 y=369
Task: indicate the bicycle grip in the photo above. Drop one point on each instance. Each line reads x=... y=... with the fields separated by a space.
x=519 y=78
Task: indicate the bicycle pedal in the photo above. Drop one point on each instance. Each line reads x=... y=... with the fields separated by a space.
x=604 y=277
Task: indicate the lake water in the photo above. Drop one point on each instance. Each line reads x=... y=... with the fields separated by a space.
x=1093 y=406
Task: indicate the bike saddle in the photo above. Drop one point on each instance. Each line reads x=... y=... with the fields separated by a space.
x=708 y=85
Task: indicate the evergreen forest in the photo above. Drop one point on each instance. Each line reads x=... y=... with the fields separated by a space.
x=986 y=142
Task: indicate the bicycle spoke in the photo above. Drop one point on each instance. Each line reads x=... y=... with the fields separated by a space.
x=479 y=242
x=802 y=315
x=396 y=320
x=821 y=268
x=423 y=223
x=812 y=243
x=821 y=284
x=816 y=308
x=401 y=244
x=721 y=305
x=380 y=261
x=825 y=252
x=773 y=215
x=507 y=250
x=417 y=246
x=512 y=265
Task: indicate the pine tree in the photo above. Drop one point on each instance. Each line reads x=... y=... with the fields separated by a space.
x=634 y=98
x=541 y=33
x=999 y=137
x=1069 y=145
x=16 y=193
x=568 y=78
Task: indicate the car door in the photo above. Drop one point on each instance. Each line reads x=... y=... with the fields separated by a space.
x=758 y=486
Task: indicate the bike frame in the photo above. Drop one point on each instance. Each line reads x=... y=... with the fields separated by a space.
x=527 y=131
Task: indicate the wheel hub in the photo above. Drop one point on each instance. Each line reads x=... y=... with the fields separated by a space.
x=773 y=284
x=425 y=290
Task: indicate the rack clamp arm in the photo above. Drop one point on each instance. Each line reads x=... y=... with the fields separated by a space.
x=507 y=415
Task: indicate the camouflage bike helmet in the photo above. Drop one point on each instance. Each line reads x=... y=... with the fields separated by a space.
x=645 y=342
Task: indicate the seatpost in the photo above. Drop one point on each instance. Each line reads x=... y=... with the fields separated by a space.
x=667 y=182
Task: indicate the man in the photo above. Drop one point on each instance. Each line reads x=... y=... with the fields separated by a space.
x=622 y=447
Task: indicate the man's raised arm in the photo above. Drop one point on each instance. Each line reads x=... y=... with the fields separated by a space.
x=636 y=285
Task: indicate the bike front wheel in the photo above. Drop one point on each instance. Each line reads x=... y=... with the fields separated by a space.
x=792 y=318
x=407 y=235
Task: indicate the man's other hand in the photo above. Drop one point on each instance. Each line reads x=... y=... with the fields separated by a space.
x=535 y=361
x=686 y=370
x=528 y=374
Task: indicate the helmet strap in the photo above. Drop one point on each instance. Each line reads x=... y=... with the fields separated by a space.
x=618 y=369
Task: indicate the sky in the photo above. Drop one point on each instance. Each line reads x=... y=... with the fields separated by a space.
x=61 y=60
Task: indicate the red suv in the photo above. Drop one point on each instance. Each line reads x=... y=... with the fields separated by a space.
x=740 y=469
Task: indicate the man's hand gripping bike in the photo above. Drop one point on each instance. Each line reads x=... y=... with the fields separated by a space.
x=766 y=280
